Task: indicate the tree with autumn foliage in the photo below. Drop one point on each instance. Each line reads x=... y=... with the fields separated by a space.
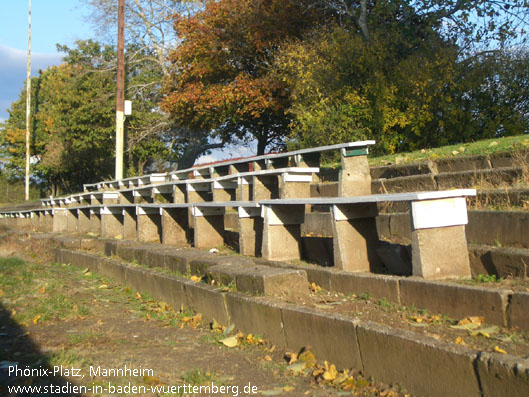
x=220 y=75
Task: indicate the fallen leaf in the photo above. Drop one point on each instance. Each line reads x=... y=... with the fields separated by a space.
x=308 y=358
x=196 y=279
x=230 y=341
x=288 y=388
x=103 y=286
x=499 y=350
x=460 y=341
x=1 y=293
x=42 y=290
x=293 y=357
x=267 y=358
x=331 y=373
x=36 y=319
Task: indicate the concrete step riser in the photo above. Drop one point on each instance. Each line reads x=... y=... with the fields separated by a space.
x=420 y=364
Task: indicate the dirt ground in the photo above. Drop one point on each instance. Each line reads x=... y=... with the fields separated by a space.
x=55 y=315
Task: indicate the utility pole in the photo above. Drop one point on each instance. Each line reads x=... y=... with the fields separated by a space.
x=120 y=91
x=28 y=104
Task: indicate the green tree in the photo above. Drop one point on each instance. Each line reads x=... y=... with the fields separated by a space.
x=220 y=80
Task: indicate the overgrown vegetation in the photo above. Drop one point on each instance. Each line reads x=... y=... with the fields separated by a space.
x=204 y=74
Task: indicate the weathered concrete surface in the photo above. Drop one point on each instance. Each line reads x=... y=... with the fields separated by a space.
x=425 y=366
x=354 y=245
x=112 y=225
x=457 y=301
x=502 y=375
x=149 y=228
x=510 y=228
x=281 y=242
x=439 y=253
x=354 y=178
x=256 y=316
x=500 y=261
x=60 y=220
x=377 y=286
x=258 y=279
x=265 y=187
x=518 y=310
x=332 y=337
x=250 y=236
x=175 y=226
x=387 y=354
x=208 y=231
x=209 y=301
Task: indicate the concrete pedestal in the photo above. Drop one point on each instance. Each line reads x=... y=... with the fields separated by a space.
x=208 y=225
x=60 y=220
x=95 y=222
x=83 y=219
x=112 y=224
x=355 y=178
x=174 y=226
x=71 y=221
x=265 y=187
x=149 y=225
x=282 y=232
x=250 y=233
x=129 y=224
x=440 y=253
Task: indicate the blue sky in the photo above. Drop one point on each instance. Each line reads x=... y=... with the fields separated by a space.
x=52 y=22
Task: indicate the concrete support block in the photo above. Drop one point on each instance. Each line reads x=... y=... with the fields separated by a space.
x=265 y=187
x=209 y=301
x=95 y=222
x=518 y=314
x=282 y=232
x=83 y=216
x=130 y=224
x=355 y=178
x=251 y=316
x=224 y=191
x=332 y=337
x=60 y=220
x=244 y=191
x=422 y=365
x=440 y=252
x=208 y=229
x=293 y=189
x=456 y=301
x=126 y=197
x=48 y=222
x=355 y=243
x=175 y=226
x=71 y=221
x=112 y=224
x=377 y=286
x=250 y=236
x=149 y=227
x=503 y=375
x=179 y=193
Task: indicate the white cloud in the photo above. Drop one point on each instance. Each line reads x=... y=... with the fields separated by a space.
x=13 y=73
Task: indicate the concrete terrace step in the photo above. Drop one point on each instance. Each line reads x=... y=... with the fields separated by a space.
x=418 y=362
x=502 y=307
x=259 y=279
